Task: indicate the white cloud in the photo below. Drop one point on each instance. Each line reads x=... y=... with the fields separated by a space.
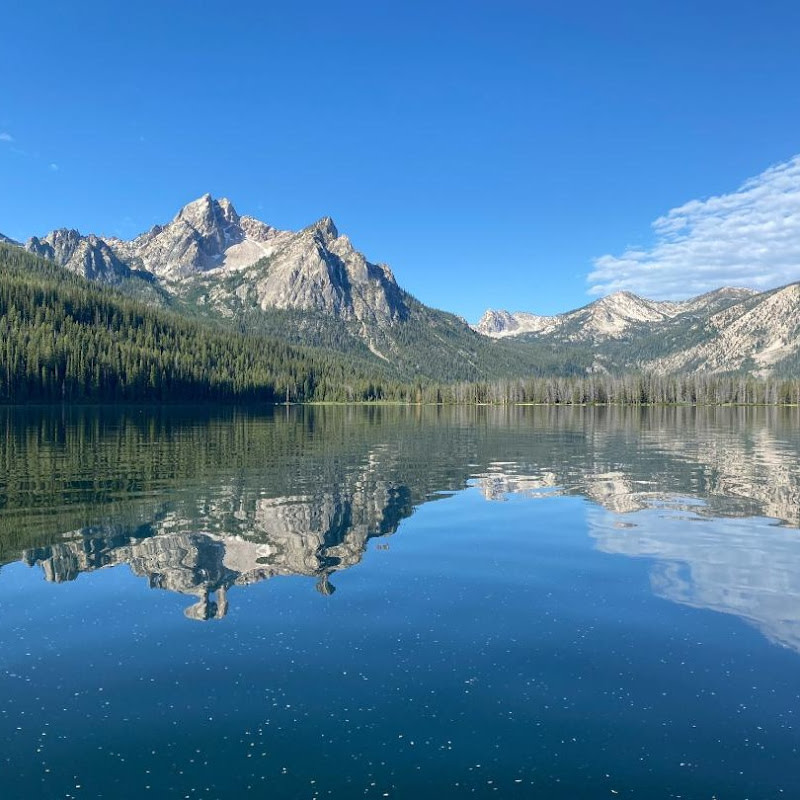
x=54 y=167
x=750 y=237
x=6 y=137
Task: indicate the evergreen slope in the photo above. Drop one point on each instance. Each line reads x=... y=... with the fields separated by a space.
x=428 y=345
x=64 y=338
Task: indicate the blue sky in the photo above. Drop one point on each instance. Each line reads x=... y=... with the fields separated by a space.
x=494 y=154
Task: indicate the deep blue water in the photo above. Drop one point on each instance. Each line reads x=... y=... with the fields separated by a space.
x=400 y=603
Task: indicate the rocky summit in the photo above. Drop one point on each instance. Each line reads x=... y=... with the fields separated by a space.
x=205 y=235
x=224 y=260
x=89 y=256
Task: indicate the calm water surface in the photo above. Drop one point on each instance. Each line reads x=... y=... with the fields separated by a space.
x=400 y=602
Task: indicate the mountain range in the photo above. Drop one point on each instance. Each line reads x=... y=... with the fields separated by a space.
x=724 y=331
x=313 y=287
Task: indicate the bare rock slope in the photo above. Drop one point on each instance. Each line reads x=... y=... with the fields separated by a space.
x=226 y=260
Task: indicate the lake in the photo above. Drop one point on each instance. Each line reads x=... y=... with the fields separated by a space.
x=405 y=602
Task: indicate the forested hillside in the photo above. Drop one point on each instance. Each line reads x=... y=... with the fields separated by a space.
x=429 y=346
x=64 y=338
x=67 y=339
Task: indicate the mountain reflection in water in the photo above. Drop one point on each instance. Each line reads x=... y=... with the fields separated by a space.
x=207 y=565
x=199 y=503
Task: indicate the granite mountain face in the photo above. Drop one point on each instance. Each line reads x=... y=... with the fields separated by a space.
x=727 y=330
x=89 y=256
x=760 y=334
x=313 y=287
x=221 y=258
x=610 y=317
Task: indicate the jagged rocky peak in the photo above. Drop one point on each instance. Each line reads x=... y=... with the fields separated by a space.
x=609 y=317
x=197 y=240
x=89 y=255
x=318 y=269
x=499 y=324
x=58 y=245
x=629 y=305
x=622 y=295
x=314 y=269
x=325 y=229
x=612 y=315
x=493 y=322
x=215 y=222
x=207 y=215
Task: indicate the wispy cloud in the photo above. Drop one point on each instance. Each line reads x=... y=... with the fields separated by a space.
x=53 y=167
x=750 y=237
x=6 y=137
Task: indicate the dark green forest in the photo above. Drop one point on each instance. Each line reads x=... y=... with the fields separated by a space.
x=66 y=339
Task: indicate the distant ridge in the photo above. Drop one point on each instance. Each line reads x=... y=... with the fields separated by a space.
x=609 y=316
x=724 y=331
